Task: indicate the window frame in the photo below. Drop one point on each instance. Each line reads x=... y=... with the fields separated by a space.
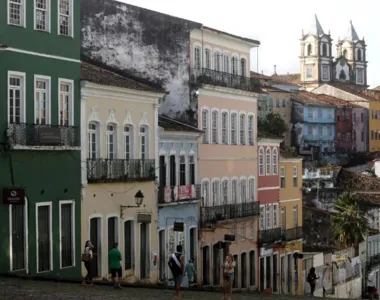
x=205 y=186
x=251 y=133
x=47 y=79
x=208 y=60
x=251 y=189
x=50 y=205
x=215 y=198
x=243 y=192
x=197 y=61
x=131 y=141
x=360 y=71
x=114 y=141
x=309 y=72
x=48 y=16
x=225 y=193
x=132 y=245
x=295 y=176
x=147 y=142
x=325 y=71
x=218 y=60
x=215 y=131
x=180 y=172
x=261 y=164
x=224 y=130
x=242 y=128
x=73 y=237
x=282 y=177
x=97 y=139
x=268 y=163
x=205 y=126
x=70 y=83
x=22 y=77
x=70 y=19
x=22 y=14
x=274 y=164
x=243 y=66
x=191 y=162
x=235 y=65
x=234 y=186
x=234 y=131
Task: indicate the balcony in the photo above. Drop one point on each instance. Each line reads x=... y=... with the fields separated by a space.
x=374 y=260
x=213 y=214
x=35 y=135
x=120 y=170
x=179 y=193
x=269 y=236
x=292 y=234
x=212 y=77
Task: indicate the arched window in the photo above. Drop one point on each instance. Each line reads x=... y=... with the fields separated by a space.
x=324 y=49
x=233 y=129
x=275 y=161
x=309 y=50
x=93 y=140
x=250 y=130
x=217 y=61
x=342 y=75
x=214 y=127
x=251 y=186
x=242 y=129
x=267 y=161
x=234 y=191
x=345 y=53
x=206 y=193
x=243 y=67
x=261 y=162
x=111 y=141
x=144 y=142
x=359 y=58
x=224 y=128
x=243 y=191
x=205 y=126
x=215 y=193
x=128 y=142
x=235 y=65
x=197 y=58
x=225 y=192
x=208 y=59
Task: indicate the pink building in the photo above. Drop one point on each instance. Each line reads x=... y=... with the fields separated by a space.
x=227 y=112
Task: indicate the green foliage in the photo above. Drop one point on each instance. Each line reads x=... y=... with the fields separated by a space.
x=349 y=222
x=273 y=125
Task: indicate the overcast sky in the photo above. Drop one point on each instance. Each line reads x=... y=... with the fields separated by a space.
x=278 y=24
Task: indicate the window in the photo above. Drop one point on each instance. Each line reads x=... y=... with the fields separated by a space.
x=93 y=140
x=372 y=135
x=67 y=233
x=192 y=169
x=243 y=231
x=262 y=217
x=243 y=191
x=283 y=103
x=354 y=136
x=208 y=59
x=359 y=54
x=243 y=67
x=42 y=100
x=324 y=49
x=359 y=76
x=309 y=50
x=197 y=58
x=215 y=193
x=42 y=15
x=205 y=126
x=242 y=129
x=268 y=212
x=354 y=117
x=362 y=137
x=172 y=170
x=282 y=175
x=182 y=170
x=144 y=142
x=65 y=103
x=345 y=53
x=309 y=130
x=320 y=130
x=261 y=162
x=217 y=59
x=309 y=72
x=362 y=117
x=225 y=128
x=112 y=231
x=267 y=160
x=275 y=215
x=251 y=191
x=66 y=17
x=330 y=130
x=129 y=245
x=214 y=127
x=283 y=218
x=233 y=229
x=310 y=112
x=128 y=142
x=234 y=65
x=206 y=193
x=234 y=191
x=275 y=161
x=44 y=236
x=325 y=72
x=330 y=114
x=225 y=192
x=233 y=129
x=16 y=12
x=16 y=94
x=250 y=130
x=251 y=231
x=111 y=141
x=295 y=176
x=295 y=216
x=226 y=62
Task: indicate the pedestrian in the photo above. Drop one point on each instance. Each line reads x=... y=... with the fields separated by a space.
x=228 y=275
x=114 y=258
x=312 y=279
x=177 y=266
x=190 y=270
x=87 y=258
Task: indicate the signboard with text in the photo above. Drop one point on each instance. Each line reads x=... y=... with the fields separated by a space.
x=14 y=196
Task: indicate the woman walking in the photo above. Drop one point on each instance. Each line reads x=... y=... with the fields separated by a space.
x=228 y=275
x=312 y=280
x=87 y=259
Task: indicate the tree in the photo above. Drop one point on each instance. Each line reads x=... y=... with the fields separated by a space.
x=349 y=222
x=272 y=124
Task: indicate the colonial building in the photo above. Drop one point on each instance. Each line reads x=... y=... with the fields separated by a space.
x=40 y=138
x=227 y=109
x=119 y=170
x=179 y=193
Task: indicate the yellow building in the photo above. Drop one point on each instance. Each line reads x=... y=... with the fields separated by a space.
x=119 y=158
x=374 y=125
x=291 y=224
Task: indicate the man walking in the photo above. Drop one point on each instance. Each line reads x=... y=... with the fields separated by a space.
x=177 y=266
x=114 y=257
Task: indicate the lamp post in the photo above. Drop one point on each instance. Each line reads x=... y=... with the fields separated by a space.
x=139 y=197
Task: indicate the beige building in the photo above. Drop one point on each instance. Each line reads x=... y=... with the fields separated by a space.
x=119 y=146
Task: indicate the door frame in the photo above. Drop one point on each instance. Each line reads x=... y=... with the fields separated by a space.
x=100 y=239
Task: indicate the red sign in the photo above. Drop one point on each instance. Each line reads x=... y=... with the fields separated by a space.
x=14 y=196
x=184 y=192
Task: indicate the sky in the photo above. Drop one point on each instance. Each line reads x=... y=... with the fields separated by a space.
x=278 y=25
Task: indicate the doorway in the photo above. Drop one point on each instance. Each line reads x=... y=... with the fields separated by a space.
x=290 y=274
x=262 y=274
x=206 y=265
x=162 y=266
x=18 y=236
x=283 y=276
x=275 y=273
x=96 y=239
x=236 y=279
x=144 y=250
x=243 y=268
x=252 y=268
x=216 y=262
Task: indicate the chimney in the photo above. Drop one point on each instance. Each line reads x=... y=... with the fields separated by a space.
x=275 y=67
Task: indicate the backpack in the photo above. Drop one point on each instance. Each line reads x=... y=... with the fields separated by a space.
x=174 y=267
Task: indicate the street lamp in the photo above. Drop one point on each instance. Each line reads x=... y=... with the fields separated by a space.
x=139 y=197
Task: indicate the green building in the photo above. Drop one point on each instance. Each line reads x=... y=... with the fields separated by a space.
x=40 y=167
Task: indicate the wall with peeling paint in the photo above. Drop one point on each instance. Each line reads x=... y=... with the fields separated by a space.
x=145 y=44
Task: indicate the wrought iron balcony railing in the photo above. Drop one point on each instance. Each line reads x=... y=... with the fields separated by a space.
x=120 y=170
x=208 y=76
x=292 y=234
x=23 y=134
x=179 y=193
x=268 y=236
x=214 y=214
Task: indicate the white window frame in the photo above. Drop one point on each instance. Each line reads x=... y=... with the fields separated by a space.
x=114 y=133
x=50 y=205
x=325 y=71
x=234 y=200
x=70 y=83
x=215 y=201
x=224 y=130
x=275 y=213
x=275 y=161
x=282 y=176
x=70 y=17
x=48 y=96
x=197 y=60
x=22 y=77
x=235 y=124
x=251 y=189
x=268 y=163
x=208 y=58
x=147 y=142
x=226 y=62
x=205 y=126
x=309 y=72
x=243 y=182
x=215 y=130
x=361 y=70
x=295 y=221
x=251 y=133
x=262 y=217
x=295 y=174
x=22 y=14
x=310 y=110
x=243 y=71
x=243 y=129
x=72 y=202
x=131 y=140
x=48 y=16
x=92 y=132
x=235 y=64
x=206 y=198
x=268 y=216
x=261 y=163
x=225 y=183
x=217 y=58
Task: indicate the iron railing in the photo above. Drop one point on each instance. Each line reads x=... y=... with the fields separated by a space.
x=43 y=135
x=179 y=193
x=292 y=234
x=120 y=170
x=268 y=236
x=213 y=77
x=214 y=214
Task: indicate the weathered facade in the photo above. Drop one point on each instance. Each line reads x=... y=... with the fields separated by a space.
x=40 y=138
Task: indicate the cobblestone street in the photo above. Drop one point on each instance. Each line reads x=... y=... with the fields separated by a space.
x=27 y=289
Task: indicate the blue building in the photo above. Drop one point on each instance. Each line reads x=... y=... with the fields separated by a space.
x=313 y=123
x=178 y=193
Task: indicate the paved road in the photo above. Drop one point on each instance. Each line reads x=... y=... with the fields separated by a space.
x=27 y=289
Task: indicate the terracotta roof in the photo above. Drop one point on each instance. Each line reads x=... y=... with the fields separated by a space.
x=349 y=88
x=377 y=88
x=293 y=79
x=289 y=154
x=310 y=99
x=273 y=89
x=170 y=124
x=337 y=102
x=102 y=75
x=260 y=76
x=233 y=35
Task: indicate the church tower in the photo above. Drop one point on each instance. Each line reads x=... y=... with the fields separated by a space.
x=351 y=65
x=316 y=58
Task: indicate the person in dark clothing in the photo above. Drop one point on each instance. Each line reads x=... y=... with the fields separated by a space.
x=88 y=248
x=177 y=266
x=312 y=279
